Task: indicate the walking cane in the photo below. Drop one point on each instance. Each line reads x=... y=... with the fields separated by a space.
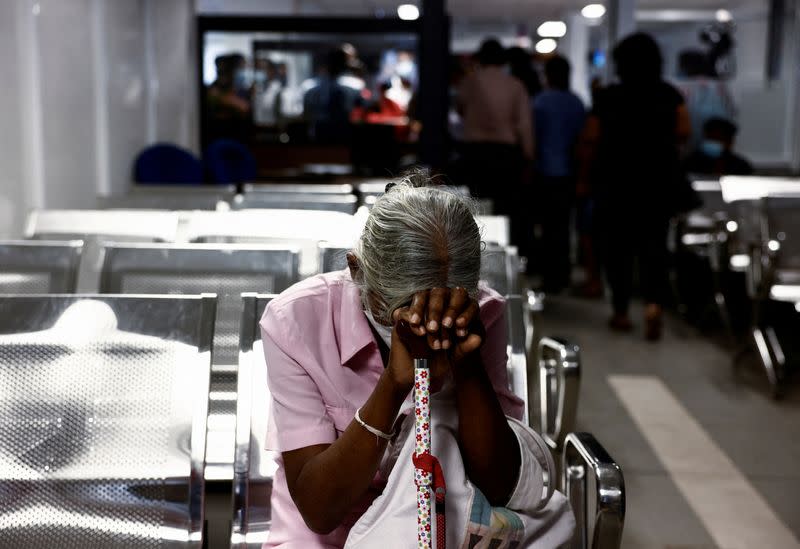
x=427 y=471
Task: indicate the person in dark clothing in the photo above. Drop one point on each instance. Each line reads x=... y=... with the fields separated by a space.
x=521 y=68
x=635 y=131
x=328 y=105
x=560 y=117
x=714 y=155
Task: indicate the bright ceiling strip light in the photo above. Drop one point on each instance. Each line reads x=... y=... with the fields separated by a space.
x=593 y=11
x=546 y=45
x=408 y=12
x=552 y=29
x=723 y=16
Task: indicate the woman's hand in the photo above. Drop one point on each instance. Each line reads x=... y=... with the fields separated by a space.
x=441 y=325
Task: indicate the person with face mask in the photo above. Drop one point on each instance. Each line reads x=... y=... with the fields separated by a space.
x=714 y=155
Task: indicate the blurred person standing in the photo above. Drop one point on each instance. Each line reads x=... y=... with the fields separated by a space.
x=498 y=139
x=521 y=68
x=633 y=137
x=328 y=104
x=227 y=100
x=560 y=117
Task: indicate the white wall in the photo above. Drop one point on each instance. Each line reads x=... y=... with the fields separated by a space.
x=88 y=84
x=12 y=178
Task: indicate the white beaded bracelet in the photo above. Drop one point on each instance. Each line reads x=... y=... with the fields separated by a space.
x=377 y=432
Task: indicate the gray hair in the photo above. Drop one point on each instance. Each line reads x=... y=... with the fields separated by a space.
x=418 y=236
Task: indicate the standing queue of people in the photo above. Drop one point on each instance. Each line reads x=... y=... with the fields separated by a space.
x=622 y=166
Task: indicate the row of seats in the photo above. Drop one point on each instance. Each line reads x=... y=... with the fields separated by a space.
x=336 y=197
x=228 y=269
x=750 y=227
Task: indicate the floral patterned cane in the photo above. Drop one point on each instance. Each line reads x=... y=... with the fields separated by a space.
x=423 y=478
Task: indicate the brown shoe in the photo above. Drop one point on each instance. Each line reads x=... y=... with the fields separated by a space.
x=653 y=322
x=620 y=323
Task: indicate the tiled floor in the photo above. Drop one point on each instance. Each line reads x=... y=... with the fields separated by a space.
x=759 y=436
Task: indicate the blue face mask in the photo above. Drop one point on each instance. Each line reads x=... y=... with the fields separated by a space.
x=714 y=149
x=242 y=79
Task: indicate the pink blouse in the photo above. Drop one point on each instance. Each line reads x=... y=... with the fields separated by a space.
x=323 y=363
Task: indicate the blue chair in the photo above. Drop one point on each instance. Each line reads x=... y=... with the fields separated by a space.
x=166 y=163
x=229 y=162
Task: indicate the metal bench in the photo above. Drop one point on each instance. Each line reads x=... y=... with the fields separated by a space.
x=298 y=188
x=499 y=266
x=118 y=225
x=254 y=466
x=35 y=267
x=171 y=197
x=344 y=203
x=224 y=269
x=775 y=276
x=104 y=402
x=495 y=229
x=304 y=229
x=558 y=382
x=584 y=458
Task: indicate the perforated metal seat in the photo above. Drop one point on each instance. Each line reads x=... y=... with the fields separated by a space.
x=30 y=267
x=300 y=228
x=254 y=466
x=103 y=404
x=118 y=225
x=171 y=197
x=224 y=269
x=500 y=268
x=298 y=188
x=344 y=203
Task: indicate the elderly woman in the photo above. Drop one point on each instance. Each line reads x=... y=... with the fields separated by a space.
x=339 y=350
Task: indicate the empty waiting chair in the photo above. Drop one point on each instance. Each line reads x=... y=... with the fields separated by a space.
x=31 y=267
x=103 y=400
x=345 y=203
x=298 y=188
x=775 y=275
x=495 y=229
x=301 y=228
x=223 y=269
x=118 y=225
x=332 y=258
x=584 y=458
x=254 y=465
x=171 y=197
x=500 y=267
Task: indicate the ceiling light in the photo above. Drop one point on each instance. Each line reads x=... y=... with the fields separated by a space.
x=552 y=29
x=723 y=16
x=408 y=12
x=547 y=45
x=593 y=11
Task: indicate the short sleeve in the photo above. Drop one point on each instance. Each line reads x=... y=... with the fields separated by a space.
x=494 y=354
x=298 y=410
